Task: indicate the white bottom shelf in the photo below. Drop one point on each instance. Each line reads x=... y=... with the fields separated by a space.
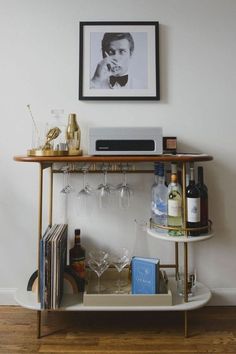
x=70 y=302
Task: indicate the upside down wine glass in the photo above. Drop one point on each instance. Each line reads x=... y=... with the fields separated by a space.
x=124 y=192
x=67 y=187
x=86 y=190
x=105 y=189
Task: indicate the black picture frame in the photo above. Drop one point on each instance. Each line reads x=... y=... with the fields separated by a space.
x=144 y=59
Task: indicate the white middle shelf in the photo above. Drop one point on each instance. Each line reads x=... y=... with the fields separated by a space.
x=165 y=237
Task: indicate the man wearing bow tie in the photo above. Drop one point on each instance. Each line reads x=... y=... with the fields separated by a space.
x=112 y=72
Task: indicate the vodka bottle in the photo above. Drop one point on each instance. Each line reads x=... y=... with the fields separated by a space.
x=155 y=183
x=160 y=194
x=153 y=187
x=193 y=205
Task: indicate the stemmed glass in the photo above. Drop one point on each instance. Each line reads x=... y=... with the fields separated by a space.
x=86 y=191
x=120 y=260
x=105 y=189
x=98 y=262
x=125 y=191
x=67 y=187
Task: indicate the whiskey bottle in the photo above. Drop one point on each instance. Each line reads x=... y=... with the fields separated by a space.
x=77 y=259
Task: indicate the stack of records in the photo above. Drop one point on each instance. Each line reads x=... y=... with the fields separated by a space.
x=53 y=257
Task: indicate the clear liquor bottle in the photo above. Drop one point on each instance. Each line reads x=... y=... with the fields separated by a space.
x=160 y=196
x=155 y=183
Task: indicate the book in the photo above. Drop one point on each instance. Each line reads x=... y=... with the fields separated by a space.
x=53 y=254
x=145 y=275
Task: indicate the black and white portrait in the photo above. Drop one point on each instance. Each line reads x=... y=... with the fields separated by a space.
x=119 y=60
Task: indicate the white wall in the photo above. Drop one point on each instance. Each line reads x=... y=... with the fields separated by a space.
x=39 y=65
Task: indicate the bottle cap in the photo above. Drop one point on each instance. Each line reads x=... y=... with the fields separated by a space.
x=77 y=232
x=72 y=115
x=159 y=169
x=174 y=178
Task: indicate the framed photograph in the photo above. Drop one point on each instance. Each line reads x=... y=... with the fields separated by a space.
x=119 y=61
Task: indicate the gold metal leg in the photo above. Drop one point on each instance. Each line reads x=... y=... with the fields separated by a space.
x=40 y=208
x=176 y=259
x=185 y=272
x=50 y=196
x=186 y=324
x=38 y=324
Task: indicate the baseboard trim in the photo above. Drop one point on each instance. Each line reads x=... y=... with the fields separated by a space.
x=7 y=296
x=223 y=297
x=220 y=297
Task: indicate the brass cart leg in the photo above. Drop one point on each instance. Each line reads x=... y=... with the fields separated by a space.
x=40 y=208
x=185 y=287
x=176 y=259
x=50 y=196
x=38 y=324
x=40 y=217
x=186 y=324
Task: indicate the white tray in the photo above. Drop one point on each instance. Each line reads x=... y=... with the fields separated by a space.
x=108 y=298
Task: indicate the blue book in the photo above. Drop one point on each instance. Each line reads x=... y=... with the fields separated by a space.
x=145 y=275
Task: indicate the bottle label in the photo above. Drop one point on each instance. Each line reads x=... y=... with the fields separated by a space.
x=79 y=267
x=193 y=208
x=159 y=208
x=174 y=207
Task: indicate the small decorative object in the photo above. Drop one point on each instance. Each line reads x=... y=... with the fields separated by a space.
x=43 y=140
x=51 y=135
x=73 y=135
x=119 y=61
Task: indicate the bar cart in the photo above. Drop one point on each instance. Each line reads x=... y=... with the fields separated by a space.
x=140 y=164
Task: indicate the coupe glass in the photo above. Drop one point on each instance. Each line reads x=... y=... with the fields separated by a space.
x=99 y=269
x=120 y=260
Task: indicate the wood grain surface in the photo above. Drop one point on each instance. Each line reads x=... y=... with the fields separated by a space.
x=211 y=330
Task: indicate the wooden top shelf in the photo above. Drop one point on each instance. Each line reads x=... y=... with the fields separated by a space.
x=182 y=157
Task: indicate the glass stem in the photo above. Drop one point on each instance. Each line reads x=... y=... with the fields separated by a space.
x=99 y=282
x=84 y=179
x=105 y=178
x=124 y=179
x=119 y=281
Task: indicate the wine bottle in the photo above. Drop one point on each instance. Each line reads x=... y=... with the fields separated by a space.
x=193 y=205
x=160 y=196
x=77 y=259
x=175 y=217
x=203 y=199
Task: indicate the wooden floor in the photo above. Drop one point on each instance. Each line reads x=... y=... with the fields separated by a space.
x=211 y=329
